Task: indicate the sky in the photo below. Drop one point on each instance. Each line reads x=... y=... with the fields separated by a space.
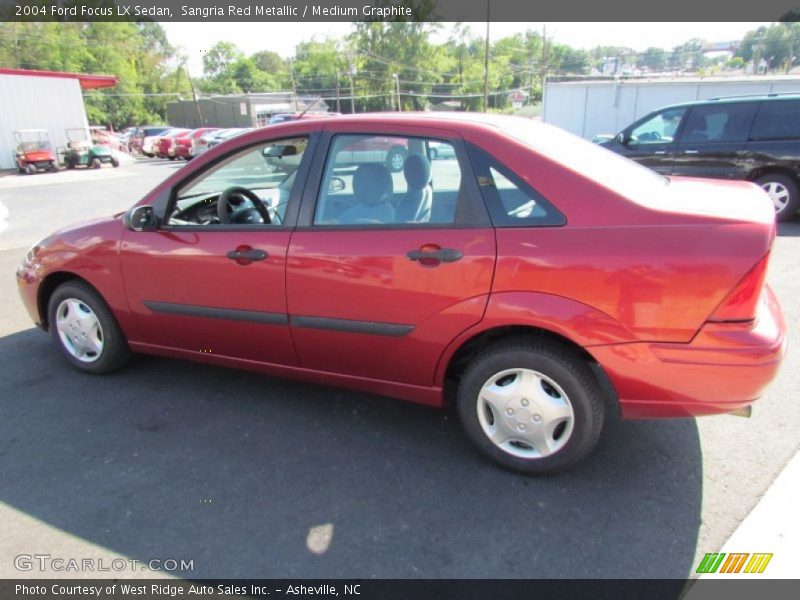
x=196 y=38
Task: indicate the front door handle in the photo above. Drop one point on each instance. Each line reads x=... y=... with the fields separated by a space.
x=244 y=255
x=691 y=151
x=435 y=256
x=660 y=152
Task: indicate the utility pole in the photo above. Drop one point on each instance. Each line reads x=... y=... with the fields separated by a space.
x=757 y=57
x=338 y=105
x=352 y=73
x=397 y=87
x=544 y=59
x=294 y=87
x=194 y=95
x=486 y=62
x=16 y=47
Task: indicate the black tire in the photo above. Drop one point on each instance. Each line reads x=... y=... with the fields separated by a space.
x=96 y=163
x=172 y=157
x=115 y=162
x=792 y=205
x=115 y=352
x=396 y=159
x=559 y=364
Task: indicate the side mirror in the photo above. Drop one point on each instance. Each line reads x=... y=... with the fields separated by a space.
x=623 y=139
x=140 y=218
x=336 y=184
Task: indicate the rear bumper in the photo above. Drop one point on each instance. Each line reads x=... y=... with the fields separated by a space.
x=725 y=367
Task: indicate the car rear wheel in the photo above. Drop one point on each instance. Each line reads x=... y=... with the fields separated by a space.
x=533 y=407
x=96 y=163
x=783 y=192
x=115 y=162
x=85 y=330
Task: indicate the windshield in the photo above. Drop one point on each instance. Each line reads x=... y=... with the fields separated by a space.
x=607 y=168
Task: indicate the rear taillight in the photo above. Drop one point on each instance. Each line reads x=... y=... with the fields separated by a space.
x=741 y=303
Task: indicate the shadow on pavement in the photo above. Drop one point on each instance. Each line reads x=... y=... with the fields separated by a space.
x=168 y=459
x=789 y=228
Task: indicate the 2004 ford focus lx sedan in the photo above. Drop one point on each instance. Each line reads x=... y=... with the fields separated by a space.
x=535 y=279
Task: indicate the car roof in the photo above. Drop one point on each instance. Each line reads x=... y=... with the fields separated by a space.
x=426 y=119
x=772 y=97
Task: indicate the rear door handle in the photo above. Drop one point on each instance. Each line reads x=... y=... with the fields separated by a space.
x=441 y=255
x=691 y=151
x=659 y=152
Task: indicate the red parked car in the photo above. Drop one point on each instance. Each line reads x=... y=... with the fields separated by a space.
x=164 y=146
x=535 y=279
x=183 y=144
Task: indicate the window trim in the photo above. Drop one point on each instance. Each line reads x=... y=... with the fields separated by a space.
x=497 y=212
x=292 y=206
x=308 y=206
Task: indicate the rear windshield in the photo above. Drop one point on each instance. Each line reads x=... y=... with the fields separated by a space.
x=607 y=168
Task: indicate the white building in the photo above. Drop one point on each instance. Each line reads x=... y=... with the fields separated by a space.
x=48 y=100
x=588 y=108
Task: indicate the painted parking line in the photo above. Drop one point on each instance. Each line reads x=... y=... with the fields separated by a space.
x=766 y=544
x=3 y=217
x=15 y=181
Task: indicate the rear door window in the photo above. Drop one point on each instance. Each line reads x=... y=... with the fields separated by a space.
x=714 y=123
x=777 y=120
x=376 y=180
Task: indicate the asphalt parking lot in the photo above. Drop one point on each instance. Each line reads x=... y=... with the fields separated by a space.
x=250 y=476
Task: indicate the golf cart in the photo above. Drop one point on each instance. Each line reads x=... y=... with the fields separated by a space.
x=83 y=151
x=33 y=151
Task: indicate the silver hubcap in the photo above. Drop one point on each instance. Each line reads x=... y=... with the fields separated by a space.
x=525 y=413
x=777 y=193
x=79 y=330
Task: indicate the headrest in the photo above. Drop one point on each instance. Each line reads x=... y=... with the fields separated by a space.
x=372 y=183
x=417 y=171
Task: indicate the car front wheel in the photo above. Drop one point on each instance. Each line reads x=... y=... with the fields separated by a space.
x=783 y=192
x=531 y=406
x=85 y=330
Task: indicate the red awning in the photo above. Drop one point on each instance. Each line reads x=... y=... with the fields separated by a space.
x=88 y=82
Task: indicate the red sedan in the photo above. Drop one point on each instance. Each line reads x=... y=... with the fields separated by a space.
x=534 y=279
x=164 y=146
x=183 y=144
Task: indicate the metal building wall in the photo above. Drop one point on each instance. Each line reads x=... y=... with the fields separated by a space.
x=28 y=102
x=590 y=108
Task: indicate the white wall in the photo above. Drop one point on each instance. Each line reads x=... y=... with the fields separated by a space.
x=26 y=102
x=591 y=108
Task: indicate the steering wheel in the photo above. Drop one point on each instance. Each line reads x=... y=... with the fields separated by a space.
x=232 y=212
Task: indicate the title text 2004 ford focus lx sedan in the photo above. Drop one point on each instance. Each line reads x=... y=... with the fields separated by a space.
x=534 y=278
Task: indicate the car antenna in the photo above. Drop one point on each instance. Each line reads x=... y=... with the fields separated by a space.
x=310 y=106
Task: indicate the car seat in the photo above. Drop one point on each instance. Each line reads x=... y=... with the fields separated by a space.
x=372 y=190
x=415 y=206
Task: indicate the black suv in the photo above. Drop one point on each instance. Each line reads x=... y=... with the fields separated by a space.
x=756 y=138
